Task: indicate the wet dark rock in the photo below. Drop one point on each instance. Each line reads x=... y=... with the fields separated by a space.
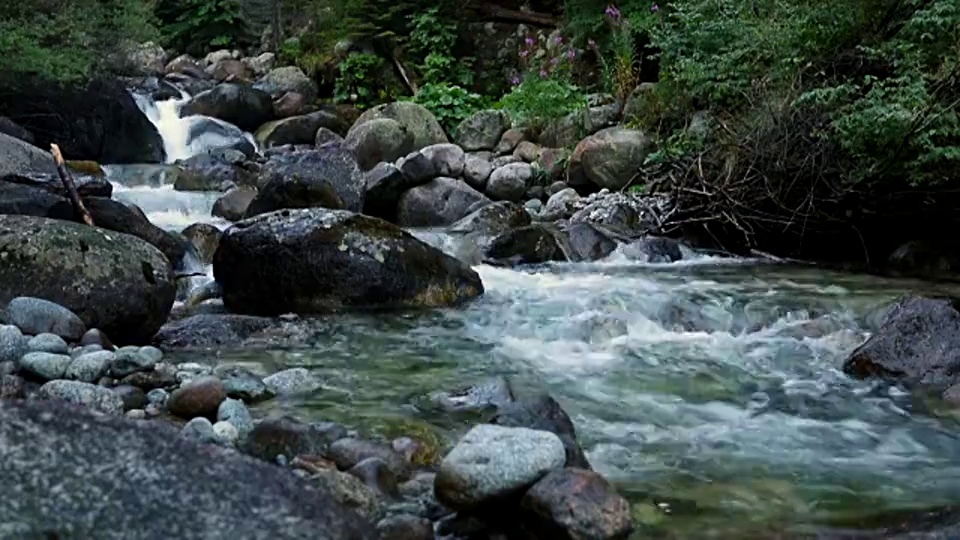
x=347 y=453
x=205 y=239
x=54 y=447
x=572 y=504
x=99 y=121
x=112 y=281
x=210 y=331
x=22 y=199
x=115 y=216
x=440 y=202
x=654 y=249
x=38 y=316
x=285 y=436
x=917 y=344
x=349 y=491
x=240 y=383
x=88 y=185
x=930 y=259
x=198 y=397
x=219 y=135
x=405 y=527
x=543 y=412
x=315 y=260
x=533 y=244
x=377 y=475
x=241 y=105
x=328 y=175
x=385 y=184
x=207 y=172
x=294 y=192
x=131 y=396
x=586 y=242
x=493 y=219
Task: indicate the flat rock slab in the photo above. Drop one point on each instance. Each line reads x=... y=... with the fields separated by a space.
x=118 y=479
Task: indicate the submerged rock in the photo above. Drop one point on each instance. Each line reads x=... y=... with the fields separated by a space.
x=533 y=244
x=204 y=491
x=917 y=344
x=210 y=331
x=316 y=260
x=285 y=436
x=112 y=281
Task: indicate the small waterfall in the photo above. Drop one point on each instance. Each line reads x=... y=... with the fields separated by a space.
x=187 y=136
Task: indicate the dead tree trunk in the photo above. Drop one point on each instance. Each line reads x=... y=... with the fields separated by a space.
x=67 y=179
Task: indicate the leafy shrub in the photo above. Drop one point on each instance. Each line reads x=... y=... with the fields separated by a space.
x=359 y=82
x=434 y=39
x=68 y=39
x=451 y=104
x=196 y=26
x=536 y=101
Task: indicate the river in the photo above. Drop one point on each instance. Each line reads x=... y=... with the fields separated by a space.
x=709 y=390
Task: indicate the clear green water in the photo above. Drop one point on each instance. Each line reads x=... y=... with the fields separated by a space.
x=717 y=404
x=710 y=391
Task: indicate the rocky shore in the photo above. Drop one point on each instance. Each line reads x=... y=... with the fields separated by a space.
x=94 y=318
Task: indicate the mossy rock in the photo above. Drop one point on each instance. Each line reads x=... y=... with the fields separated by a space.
x=91 y=168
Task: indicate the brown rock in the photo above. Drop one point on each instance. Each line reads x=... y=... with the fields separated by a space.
x=96 y=337
x=198 y=397
x=528 y=151
x=285 y=436
x=231 y=70
x=377 y=476
x=575 y=504
x=290 y=104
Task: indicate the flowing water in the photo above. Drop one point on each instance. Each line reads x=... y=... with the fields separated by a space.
x=709 y=390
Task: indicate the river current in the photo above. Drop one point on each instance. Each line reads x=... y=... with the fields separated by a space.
x=709 y=390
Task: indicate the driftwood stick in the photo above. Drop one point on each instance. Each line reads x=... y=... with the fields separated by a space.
x=501 y=14
x=67 y=179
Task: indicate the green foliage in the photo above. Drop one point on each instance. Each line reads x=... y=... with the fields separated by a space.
x=451 y=104
x=538 y=100
x=69 y=40
x=197 y=26
x=434 y=39
x=359 y=82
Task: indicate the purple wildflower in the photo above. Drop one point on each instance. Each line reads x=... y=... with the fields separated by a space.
x=543 y=74
x=515 y=80
x=655 y=8
x=529 y=41
x=612 y=12
x=571 y=54
x=524 y=53
x=559 y=39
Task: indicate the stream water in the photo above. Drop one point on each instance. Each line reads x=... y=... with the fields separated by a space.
x=709 y=390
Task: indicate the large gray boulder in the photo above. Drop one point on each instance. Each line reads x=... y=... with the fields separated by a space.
x=482 y=130
x=148 y=483
x=917 y=344
x=18 y=157
x=609 y=159
x=112 y=281
x=378 y=140
x=285 y=79
x=328 y=176
x=440 y=202
x=415 y=119
x=297 y=129
x=316 y=260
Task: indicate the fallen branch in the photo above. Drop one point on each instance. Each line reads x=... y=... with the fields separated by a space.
x=78 y=207
x=497 y=13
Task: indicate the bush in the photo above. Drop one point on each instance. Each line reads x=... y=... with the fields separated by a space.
x=68 y=40
x=536 y=101
x=451 y=104
x=197 y=26
x=359 y=82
